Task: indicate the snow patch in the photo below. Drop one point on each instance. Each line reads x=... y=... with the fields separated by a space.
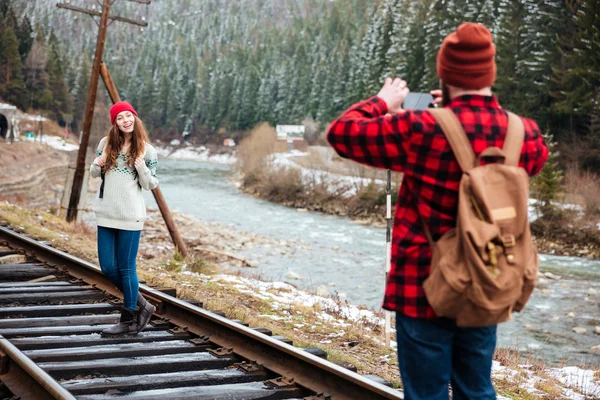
x=579 y=384
x=59 y=143
x=580 y=380
x=195 y=154
x=286 y=294
x=334 y=182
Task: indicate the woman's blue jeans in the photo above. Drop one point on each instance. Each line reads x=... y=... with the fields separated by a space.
x=117 y=251
x=435 y=353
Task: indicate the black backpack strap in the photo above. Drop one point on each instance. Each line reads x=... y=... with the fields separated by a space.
x=102 y=184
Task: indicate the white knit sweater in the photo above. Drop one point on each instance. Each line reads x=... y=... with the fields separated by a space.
x=122 y=205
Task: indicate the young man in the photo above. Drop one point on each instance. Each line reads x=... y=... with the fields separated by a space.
x=433 y=352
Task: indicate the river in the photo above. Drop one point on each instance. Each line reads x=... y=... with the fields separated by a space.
x=348 y=259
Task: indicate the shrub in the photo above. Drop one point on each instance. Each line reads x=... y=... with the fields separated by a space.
x=253 y=151
x=584 y=187
x=282 y=184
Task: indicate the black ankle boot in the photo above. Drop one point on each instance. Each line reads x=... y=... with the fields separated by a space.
x=145 y=313
x=127 y=324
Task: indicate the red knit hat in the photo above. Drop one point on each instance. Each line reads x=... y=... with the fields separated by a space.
x=466 y=58
x=118 y=108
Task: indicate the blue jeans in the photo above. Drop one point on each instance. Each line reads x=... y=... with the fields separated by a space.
x=434 y=353
x=117 y=251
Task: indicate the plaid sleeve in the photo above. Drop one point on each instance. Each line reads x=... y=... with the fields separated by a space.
x=364 y=133
x=535 y=151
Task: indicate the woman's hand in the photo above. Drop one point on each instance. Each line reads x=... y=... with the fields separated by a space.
x=99 y=161
x=139 y=163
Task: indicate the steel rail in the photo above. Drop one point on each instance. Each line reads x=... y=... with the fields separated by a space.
x=307 y=370
x=21 y=368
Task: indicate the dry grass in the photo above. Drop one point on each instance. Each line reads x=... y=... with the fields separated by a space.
x=253 y=151
x=303 y=326
x=583 y=187
x=41 y=224
x=281 y=185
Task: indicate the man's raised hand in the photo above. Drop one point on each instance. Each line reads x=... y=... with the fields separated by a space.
x=393 y=93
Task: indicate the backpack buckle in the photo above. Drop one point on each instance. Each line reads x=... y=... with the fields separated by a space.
x=508 y=241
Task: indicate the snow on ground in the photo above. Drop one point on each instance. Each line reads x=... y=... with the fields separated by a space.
x=194 y=154
x=577 y=383
x=582 y=380
x=334 y=182
x=534 y=214
x=58 y=143
x=281 y=295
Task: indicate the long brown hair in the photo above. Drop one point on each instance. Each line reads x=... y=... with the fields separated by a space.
x=115 y=141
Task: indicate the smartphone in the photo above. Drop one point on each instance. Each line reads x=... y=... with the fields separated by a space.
x=418 y=101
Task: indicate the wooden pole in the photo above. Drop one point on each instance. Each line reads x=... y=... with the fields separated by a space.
x=89 y=115
x=97 y=14
x=164 y=210
x=110 y=85
x=160 y=200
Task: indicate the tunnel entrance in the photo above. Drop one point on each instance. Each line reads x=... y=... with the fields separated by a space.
x=3 y=126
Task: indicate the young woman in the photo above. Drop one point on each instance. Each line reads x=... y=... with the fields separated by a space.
x=126 y=162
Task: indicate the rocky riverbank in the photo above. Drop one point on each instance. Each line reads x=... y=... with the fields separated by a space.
x=556 y=238
x=564 y=239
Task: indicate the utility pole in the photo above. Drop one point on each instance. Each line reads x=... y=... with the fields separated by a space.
x=91 y=95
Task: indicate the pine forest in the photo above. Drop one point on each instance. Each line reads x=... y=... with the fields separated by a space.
x=207 y=66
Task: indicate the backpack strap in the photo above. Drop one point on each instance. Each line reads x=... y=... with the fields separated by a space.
x=513 y=142
x=456 y=136
x=460 y=145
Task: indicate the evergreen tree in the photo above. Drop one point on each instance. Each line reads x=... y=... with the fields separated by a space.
x=231 y=64
x=12 y=85
x=80 y=92
x=411 y=54
x=61 y=98
x=25 y=35
x=513 y=34
x=36 y=76
x=548 y=183
x=579 y=80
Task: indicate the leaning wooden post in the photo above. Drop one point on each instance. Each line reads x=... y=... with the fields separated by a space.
x=164 y=210
x=110 y=85
x=160 y=200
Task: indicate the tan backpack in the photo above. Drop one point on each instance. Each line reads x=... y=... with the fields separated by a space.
x=486 y=267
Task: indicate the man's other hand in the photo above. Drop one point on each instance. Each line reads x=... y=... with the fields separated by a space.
x=393 y=93
x=437 y=96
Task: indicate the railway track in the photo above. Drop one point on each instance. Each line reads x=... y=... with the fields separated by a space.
x=53 y=307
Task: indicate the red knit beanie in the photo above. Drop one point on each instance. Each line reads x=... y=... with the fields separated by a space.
x=118 y=108
x=466 y=58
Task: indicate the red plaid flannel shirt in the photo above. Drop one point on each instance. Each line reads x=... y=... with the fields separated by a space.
x=413 y=143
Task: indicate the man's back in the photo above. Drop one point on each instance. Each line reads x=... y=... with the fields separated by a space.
x=413 y=143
